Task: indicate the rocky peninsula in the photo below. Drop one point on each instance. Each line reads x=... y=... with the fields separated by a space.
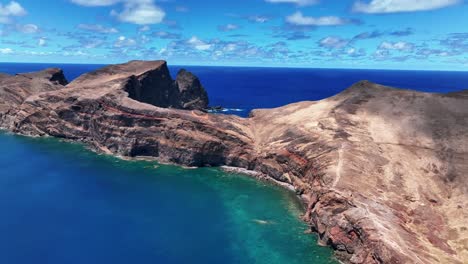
x=382 y=171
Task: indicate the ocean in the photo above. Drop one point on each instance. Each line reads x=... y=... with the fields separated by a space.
x=61 y=203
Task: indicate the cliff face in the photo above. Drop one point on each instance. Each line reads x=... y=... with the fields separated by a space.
x=14 y=89
x=150 y=82
x=388 y=182
x=383 y=171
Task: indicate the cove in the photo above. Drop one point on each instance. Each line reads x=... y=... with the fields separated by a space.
x=61 y=203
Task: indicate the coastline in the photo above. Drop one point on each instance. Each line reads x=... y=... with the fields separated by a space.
x=299 y=145
x=237 y=210
x=260 y=177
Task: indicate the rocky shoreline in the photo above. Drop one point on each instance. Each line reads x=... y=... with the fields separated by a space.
x=382 y=171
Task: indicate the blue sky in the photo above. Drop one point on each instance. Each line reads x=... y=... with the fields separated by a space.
x=384 y=34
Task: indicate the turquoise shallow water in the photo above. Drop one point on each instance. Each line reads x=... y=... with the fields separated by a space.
x=61 y=203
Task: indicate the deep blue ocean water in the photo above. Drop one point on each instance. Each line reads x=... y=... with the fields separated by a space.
x=61 y=203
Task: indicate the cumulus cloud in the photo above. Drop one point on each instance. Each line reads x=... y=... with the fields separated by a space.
x=6 y=51
x=123 y=42
x=385 y=49
x=13 y=9
x=294 y=35
x=167 y=35
x=426 y=52
x=228 y=27
x=368 y=35
x=97 y=28
x=85 y=41
x=230 y=47
x=198 y=44
x=140 y=12
x=400 y=46
x=297 y=2
x=333 y=42
x=144 y=28
x=258 y=18
x=299 y=19
x=92 y=43
x=95 y=2
x=217 y=49
x=42 y=42
x=396 y=6
x=378 y=34
x=353 y=52
x=456 y=43
x=27 y=28
x=402 y=33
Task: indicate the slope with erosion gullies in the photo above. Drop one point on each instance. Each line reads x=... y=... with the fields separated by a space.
x=382 y=170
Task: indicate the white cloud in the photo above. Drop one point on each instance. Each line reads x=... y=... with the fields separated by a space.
x=140 y=12
x=122 y=42
x=6 y=51
x=333 y=42
x=300 y=20
x=42 y=42
x=198 y=44
x=228 y=27
x=353 y=52
x=95 y=2
x=297 y=2
x=230 y=47
x=258 y=19
x=10 y=10
x=98 y=28
x=395 y=6
x=92 y=44
x=144 y=28
x=381 y=54
x=166 y=35
x=27 y=28
x=400 y=45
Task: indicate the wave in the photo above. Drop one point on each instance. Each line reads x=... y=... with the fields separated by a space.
x=233 y=110
x=226 y=110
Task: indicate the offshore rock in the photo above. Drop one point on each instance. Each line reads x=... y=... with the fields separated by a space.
x=383 y=171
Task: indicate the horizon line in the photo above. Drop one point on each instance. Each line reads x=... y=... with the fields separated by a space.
x=244 y=66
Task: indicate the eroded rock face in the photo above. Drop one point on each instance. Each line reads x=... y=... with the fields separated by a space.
x=192 y=95
x=383 y=171
x=14 y=89
x=150 y=82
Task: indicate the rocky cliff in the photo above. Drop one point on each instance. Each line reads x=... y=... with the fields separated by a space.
x=150 y=82
x=383 y=171
x=14 y=89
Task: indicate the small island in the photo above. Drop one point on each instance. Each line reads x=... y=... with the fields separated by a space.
x=382 y=171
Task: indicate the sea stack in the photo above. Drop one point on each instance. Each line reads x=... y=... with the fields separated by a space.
x=383 y=171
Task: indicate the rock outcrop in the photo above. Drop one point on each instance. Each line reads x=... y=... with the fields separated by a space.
x=150 y=82
x=14 y=89
x=383 y=171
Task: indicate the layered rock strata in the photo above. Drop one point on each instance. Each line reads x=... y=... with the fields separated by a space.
x=383 y=171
